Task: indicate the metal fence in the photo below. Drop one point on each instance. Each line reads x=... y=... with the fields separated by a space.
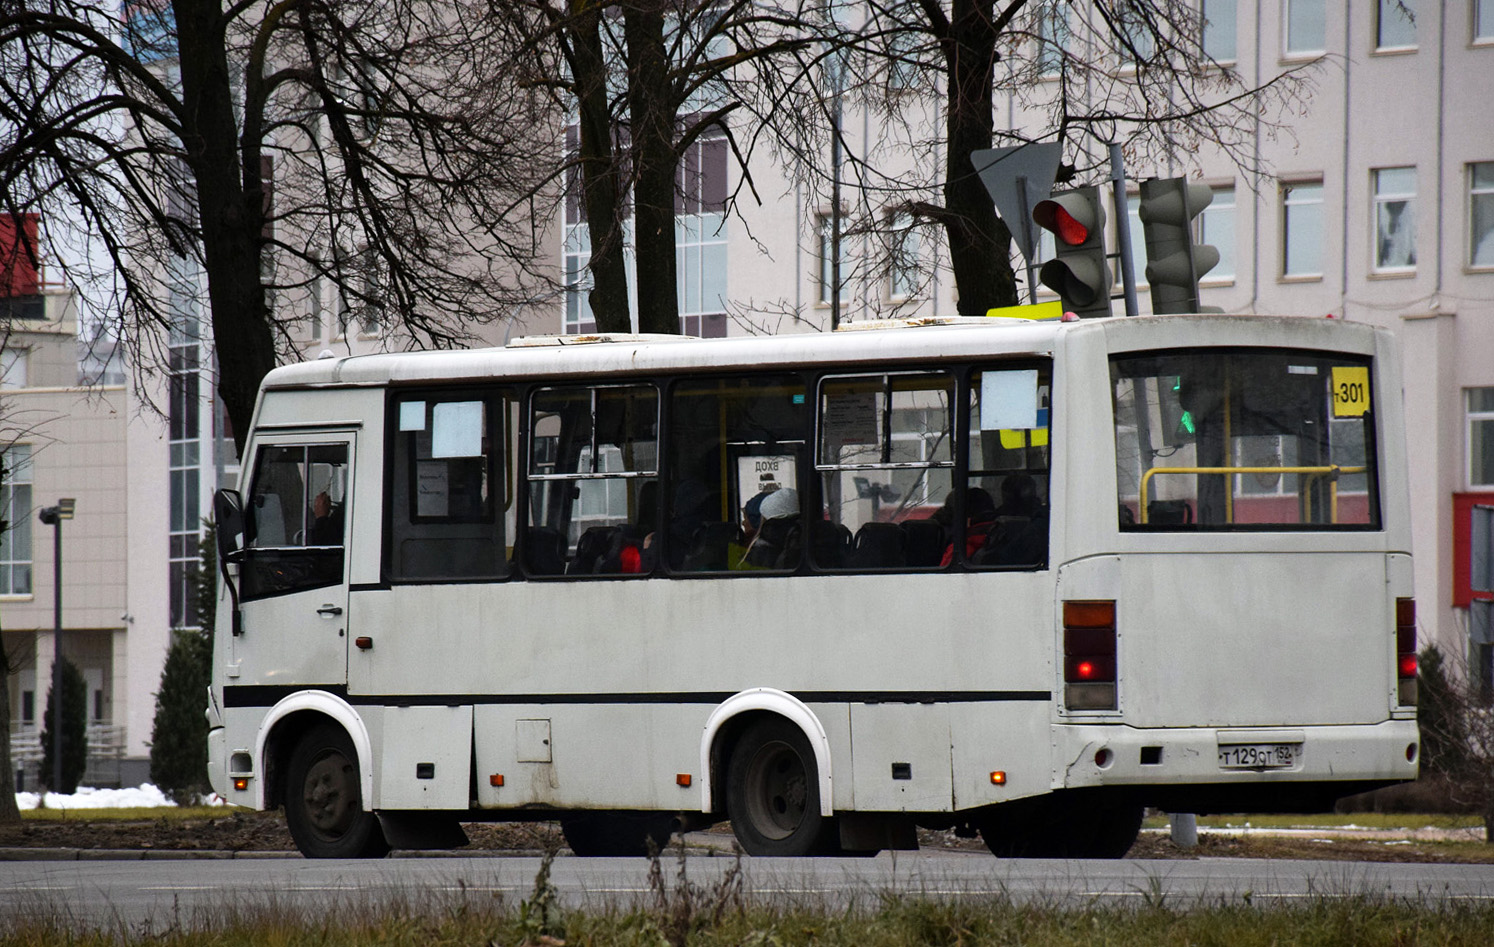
x=106 y=748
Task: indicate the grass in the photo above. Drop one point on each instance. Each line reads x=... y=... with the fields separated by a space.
x=709 y=917
x=141 y=814
x=1365 y=820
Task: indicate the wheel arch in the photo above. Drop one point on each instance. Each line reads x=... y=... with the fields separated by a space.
x=282 y=728
x=734 y=715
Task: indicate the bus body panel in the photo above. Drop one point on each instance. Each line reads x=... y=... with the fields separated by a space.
x=598 y=693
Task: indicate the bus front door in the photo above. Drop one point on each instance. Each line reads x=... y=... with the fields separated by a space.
x=293 y=573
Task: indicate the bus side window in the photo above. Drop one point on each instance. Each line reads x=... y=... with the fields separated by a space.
x=592 y=475
x=1006 y=491
x=734 y=442
x=446 y=488
x=296 y=521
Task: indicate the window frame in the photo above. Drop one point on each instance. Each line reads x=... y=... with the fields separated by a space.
x=1470 y=418
x=1206 y=21
x=1481 y=13
x=1216 y=208
x=1379 y=200
x=1285 y=203
x=1474 y=192
x=1292 y=53
x=1382 y=7
x=20 y=521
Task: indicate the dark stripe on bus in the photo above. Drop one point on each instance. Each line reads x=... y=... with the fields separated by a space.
x=267 y=695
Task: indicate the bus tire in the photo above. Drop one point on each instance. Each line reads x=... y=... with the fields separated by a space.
x=617 y=834
x=773 y=793
x=323 y=800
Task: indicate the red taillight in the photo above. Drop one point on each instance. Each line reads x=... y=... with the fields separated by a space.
x=1089 y=665
x=1405 y=636
x=1405 y=651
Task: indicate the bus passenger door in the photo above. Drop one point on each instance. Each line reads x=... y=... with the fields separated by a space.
x=293 y=576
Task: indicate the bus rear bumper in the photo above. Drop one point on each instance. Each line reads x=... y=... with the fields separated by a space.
x=1097 y=755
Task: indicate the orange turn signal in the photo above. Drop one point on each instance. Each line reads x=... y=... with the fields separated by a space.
x=241 y=783
x=496 y=779
x=998 y=778
x=683 y=780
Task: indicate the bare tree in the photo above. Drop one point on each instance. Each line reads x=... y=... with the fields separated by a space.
x=280 y=147
x=1087 y=73
x=1456 y=716
x=646 y=79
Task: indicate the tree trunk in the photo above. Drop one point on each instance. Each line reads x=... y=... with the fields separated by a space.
x=600 y=172
x=652 y=113
x=9 y=811
x=979 y=242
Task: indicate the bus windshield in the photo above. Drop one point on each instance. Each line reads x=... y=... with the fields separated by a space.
x=1244 y=440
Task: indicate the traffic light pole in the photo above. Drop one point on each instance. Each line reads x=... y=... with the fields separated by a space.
x=1123 y=227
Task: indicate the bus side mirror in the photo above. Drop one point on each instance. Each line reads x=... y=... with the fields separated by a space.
x=228 y=514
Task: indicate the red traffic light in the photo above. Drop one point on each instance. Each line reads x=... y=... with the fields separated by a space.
x=1053 y=216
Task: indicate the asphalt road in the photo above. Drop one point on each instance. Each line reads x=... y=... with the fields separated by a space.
x=162 y=892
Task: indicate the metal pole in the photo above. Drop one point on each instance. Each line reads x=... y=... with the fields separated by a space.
x=835 y=201
x=57 y=655
x=1024 y=220
x=1123 y=228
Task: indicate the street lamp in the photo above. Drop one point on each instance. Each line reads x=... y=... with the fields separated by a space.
x=53 y=516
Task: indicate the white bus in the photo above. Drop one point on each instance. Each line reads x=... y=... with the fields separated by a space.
x=1014 y=578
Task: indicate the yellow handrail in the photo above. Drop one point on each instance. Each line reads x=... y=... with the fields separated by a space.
x=1332 y=470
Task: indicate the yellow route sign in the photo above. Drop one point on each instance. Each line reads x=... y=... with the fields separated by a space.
x=1351 y=391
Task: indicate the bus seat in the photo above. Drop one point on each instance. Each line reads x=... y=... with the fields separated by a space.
x=544 y=551
x=878 y=546
x=707 y=550
x=830 y=544
x=1169 y=513
x=923 y=542
x=592 y=549
x=1015 y=541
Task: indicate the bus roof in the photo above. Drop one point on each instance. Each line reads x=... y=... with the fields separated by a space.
x=857 y=343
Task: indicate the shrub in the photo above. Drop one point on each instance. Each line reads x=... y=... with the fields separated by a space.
x=74 y=730
x=178 y=738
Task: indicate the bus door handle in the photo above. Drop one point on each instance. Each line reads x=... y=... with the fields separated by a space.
x=329 y=611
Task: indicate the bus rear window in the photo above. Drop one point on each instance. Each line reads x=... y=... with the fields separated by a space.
x=1244 y=440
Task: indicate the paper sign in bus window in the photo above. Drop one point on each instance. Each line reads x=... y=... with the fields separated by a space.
x=457 y=429
x=849 y=419
x=432 y=488
x=1009 y=400
x=412 y=416
x=1351 y=394
x=764 y=473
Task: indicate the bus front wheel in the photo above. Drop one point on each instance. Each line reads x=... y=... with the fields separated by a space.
x=773 y=792
x=323 y=802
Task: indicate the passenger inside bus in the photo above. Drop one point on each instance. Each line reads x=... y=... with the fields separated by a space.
x=980 y=514
x=771 y=547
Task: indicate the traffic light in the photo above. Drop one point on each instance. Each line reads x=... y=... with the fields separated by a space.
x=1080 y=272
x=1174 y=262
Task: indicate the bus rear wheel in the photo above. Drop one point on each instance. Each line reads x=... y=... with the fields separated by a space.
x=773 y=793
x=323 y=800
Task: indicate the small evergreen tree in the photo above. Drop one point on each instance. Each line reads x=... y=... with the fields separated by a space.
x=74 y=730
x=178 y=740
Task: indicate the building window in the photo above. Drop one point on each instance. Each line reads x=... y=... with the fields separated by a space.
x=1480 y=438
x=827 y=263
x=15 y=509
x=903 y=246
x=1219 y=29
x=1481 y=214
x=1483 y=21
x=1053 y=37
x=1395 y=24
x=1302 y=229
x=1306 y=27
x=184 y=426
x=700 y=237
x=13 y=368
x=1216 y=227
x=1395 y=219
x=1134 y=35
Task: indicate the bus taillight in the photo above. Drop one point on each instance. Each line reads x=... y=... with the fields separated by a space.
x=1405 y=651
x=1089 y=655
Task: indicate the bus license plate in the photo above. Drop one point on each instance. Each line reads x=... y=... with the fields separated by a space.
x=1259 y=755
